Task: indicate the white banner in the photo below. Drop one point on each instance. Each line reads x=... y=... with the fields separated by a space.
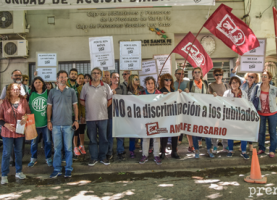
x=9 y=5
x=130 y=55
x=102 y=53
x=160 y=61
x=149 y=116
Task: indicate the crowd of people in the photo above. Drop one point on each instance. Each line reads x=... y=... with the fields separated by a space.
x=79 y=103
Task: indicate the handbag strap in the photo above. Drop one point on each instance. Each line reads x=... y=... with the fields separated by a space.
x=14 y=114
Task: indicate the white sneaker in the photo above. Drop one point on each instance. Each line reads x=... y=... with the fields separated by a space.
x=4 y=180
x=20 y=175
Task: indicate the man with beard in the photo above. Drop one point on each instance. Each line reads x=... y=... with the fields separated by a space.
x=16 y=77
x=59 y=108
x=72 y=83
x=122 y=90
x=96 y=96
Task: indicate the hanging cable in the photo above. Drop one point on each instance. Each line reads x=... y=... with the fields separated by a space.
x=7 y=65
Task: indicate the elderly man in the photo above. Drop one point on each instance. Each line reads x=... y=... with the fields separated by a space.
x=122 y=90
x=59 y=121
x=96 y=96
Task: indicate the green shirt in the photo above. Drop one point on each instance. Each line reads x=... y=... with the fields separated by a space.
x=38 y=107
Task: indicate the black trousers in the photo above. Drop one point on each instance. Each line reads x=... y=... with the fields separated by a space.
x=174 y=141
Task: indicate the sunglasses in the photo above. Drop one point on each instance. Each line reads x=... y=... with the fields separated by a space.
x=26 y=80
x=124 y=74
x=251 y=77
x=136 y=79
x=197 y=72
x=218 y=74
x=264 y=76
x=166 y=79
x=180 y=73
x=94 y=73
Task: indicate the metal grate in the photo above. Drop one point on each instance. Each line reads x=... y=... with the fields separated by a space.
x=65 y=66
x=10 y=48
x=6 y=19
x=83 y=68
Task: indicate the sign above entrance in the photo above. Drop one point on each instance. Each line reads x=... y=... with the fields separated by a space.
x=8 y=5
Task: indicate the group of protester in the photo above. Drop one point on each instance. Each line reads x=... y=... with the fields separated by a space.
x=78 y=101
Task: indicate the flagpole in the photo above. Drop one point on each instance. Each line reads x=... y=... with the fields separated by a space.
x=189 y=52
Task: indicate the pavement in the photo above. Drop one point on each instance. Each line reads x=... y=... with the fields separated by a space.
x=187 y=161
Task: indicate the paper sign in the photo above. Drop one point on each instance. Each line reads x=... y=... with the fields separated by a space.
x=47 y=74
x=141 y=79
x=148 y=67
x=160 y=61
x=102 y=53
x=190 y=74
x=259 y=51
x=252 y=64
x=46 y=59
x=130 y=55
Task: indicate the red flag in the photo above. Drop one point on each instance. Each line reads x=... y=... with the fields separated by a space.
x=198 y=57
x=275 y=24
x=231 y=30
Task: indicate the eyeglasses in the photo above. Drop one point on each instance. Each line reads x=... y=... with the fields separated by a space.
x=62 y=77
x=26 y=80
x=124 y=74
x=18 y=75
x=251 y=77
x=264 y=76
x=218 y=74
x=94 y=73
x=16 y=90
x=180 y=74
x=166 y=79
x=136 y=79
x=197 y=72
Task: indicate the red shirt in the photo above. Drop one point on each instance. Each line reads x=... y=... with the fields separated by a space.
x=6 y=114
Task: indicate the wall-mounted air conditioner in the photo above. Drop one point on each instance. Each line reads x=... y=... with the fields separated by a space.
x=14 y=48
x=13 y=22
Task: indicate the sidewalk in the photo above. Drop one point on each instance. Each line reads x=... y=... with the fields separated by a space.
x=187 y=161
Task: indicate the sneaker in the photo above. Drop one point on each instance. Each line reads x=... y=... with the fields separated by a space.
x=260 y=152
x=121 y=156
x=92 y=162
x=197 y=154
x=245 y=156
x=132 y=154
x=55 y=174
x=67 y=174
x=230 y=154
x=4 y=180
x=49 y=162
x=82 y=150
x=215 y=150
x=105 y=162
x=143 y=160
x=32 y=163
x=20 y=175
x=226 y=149
x=210 y=154
x=157 y=160
x=191 y=149
x=76 y=151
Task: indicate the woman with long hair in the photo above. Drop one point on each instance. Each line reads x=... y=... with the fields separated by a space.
x=267 y=110
x=133 y=88
x=87 y=78
x=167 y=85
x=49 y=85
x=13 y=110
x=38 y=106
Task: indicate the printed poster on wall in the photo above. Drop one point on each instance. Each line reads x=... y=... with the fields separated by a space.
x=47 y=74
x=102 y=53
x=160 y=61
x=148 y=67
x=130 y=55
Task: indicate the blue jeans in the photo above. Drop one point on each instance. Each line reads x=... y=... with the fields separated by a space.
x=272 y=132
x=47 y=143
x=103 y=141
x=243 y=146
x=195 y=140
x=62 y=136
x=110 y=136
x=132 y=144
x=120 y=147
x=8 y=145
